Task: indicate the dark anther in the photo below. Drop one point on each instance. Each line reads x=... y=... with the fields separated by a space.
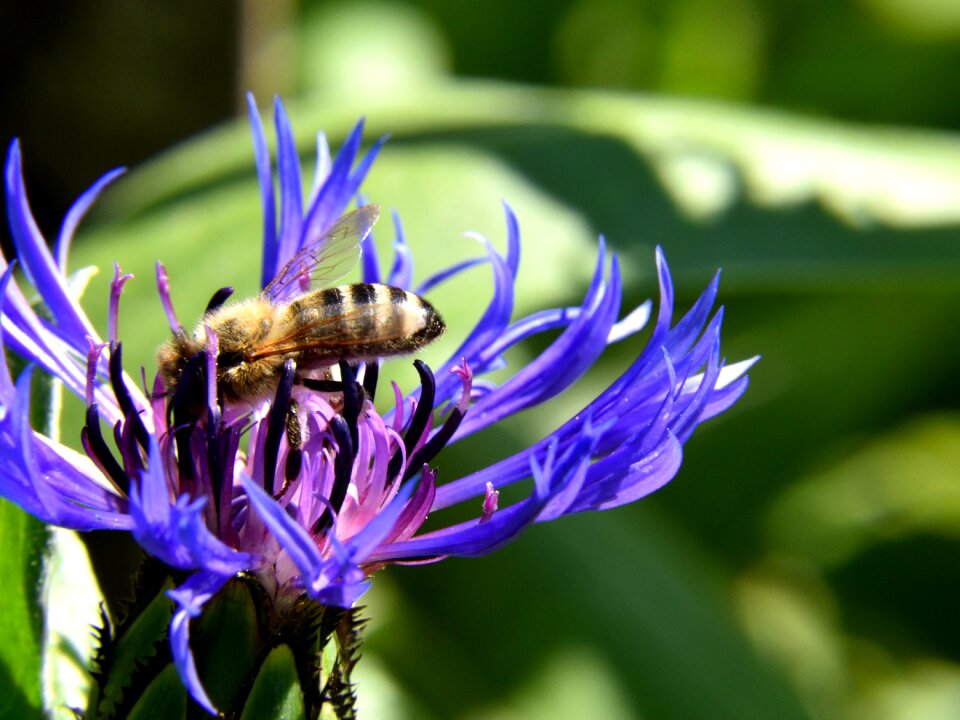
x=118 y=435
x=229 y=442
x=190 y=397
x=352 y=399
x=342 y=469
x=188 y=404
x=123 y=395
x=132 y=460
x=277 y=424
x=291 y=470
x=292 y=426
x=215 y=462
x=219 y=298
x=434 y=445
x=343 y=463
x=370 y=376
x=420 y=417
x=93 y=442
x=181 y=436
x=294 y=464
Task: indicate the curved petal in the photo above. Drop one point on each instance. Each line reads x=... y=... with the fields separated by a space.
x=37 y=262
x=401 y=272
x=565 y=360
x=77 y=212
x=49 y=481
x=557 y=482
x=617 y=483
x=191 y=597
x=294 y=539
x=271 y=263
x=175 y=530
x=291 y=192
x=493 y=323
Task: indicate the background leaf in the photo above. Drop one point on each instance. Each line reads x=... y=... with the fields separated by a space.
x=23 y=539
x=802 y=562
x=815 y=271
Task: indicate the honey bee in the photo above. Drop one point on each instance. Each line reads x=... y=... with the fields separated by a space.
x=316 y=329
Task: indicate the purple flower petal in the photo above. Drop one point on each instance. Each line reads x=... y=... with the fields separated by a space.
x=6 y=382
x=347 y=498
x=557 y=481
x=271 y=261
x=36 y=260
x=76 y=214
x=291 y=193
x=323 y=166
x=191 y=597
x=294 y=538
x=617 y=483
x=57 y=486
x=335 y=192
x=565 y=360
x=175 y=530
x=401 y=273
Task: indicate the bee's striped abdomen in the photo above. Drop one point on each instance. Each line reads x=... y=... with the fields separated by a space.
x=364 y=320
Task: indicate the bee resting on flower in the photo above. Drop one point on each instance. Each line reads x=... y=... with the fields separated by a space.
x=298 y=481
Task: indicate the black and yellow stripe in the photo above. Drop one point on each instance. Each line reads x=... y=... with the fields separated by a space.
x=363 y=320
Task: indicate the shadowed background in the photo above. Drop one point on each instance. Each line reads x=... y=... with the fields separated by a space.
x=803 y=563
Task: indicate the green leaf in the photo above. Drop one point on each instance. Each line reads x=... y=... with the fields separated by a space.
x=572 y=165
x=31 y=648
x=276 y=693
x=900 y=484
x=623 y=586
x=226 y=643
x=72 y=600
x=164 y=699
x=140 y=643
x=831 y=236
x=694 y=174
x=23 y=539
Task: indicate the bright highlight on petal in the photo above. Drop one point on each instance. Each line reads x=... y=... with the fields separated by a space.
x=301 y=483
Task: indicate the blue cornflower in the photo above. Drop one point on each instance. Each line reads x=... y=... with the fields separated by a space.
x=318 y=517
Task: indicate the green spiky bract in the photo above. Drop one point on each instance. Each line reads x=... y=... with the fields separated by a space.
x=257 y=658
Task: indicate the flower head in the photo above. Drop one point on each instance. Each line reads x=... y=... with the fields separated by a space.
x=306 y=485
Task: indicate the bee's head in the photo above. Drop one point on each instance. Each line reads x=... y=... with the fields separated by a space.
x=172 y=357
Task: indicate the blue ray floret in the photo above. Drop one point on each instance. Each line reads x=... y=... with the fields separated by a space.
x=318 y=518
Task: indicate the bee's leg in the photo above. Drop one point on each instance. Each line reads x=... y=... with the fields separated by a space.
x=327 y=386
x=279 y=425
x=331 y=386
x=294 y=443
x=294 y=431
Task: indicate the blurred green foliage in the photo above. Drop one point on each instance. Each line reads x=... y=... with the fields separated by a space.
x=803 y=564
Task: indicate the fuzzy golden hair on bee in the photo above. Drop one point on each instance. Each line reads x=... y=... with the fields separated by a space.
x=316 y=329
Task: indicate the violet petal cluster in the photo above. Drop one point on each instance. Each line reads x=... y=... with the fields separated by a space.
x=216 y=492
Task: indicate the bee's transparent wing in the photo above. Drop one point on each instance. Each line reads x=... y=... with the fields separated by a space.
x=325 y=258
x=340 y=333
